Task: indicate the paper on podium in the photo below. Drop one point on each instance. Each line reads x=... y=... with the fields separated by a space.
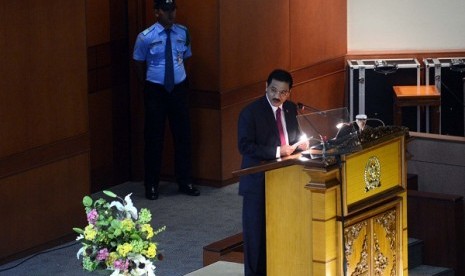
x=301 y=141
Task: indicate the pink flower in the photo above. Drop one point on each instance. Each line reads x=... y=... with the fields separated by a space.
x=121 y=264
x=102 y=254
x=92 y=216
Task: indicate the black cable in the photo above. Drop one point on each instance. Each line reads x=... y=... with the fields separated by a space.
x=436 y=163
x=37 y=254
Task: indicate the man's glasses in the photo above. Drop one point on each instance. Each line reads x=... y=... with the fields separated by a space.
x=281 y=93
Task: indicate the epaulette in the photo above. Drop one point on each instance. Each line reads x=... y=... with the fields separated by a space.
x=188 y=37
x=148 y=30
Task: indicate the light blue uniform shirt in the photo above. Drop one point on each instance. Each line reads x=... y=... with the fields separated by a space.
x=150 y=47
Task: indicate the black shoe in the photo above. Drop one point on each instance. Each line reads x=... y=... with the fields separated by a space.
x=151 y=193
x=189 y=190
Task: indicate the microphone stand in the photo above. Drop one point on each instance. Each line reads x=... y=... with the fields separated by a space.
x=300 y=107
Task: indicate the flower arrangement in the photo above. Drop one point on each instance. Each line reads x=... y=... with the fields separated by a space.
x=117 y=237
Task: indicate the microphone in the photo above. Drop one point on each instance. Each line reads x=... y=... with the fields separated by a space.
x=302 y=106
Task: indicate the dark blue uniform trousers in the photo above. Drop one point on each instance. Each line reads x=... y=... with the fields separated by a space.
x=162 y=106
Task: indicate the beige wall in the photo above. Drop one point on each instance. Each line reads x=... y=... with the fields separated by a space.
x=396 y=25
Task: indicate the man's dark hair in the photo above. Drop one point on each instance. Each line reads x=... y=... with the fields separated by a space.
x=280 y=75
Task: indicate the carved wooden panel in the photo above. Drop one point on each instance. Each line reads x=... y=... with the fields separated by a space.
x=373 y=243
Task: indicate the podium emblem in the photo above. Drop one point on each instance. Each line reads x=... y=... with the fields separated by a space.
x=372 y=174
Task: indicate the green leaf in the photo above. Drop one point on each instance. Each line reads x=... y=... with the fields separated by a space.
x=118 y=232
x=102 y=223
x=87 y=201
x=116 y=223
x=78 y=230
x=110 y=193
x=100 y=202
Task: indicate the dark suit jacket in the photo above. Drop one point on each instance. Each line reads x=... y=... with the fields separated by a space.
x=258 y=138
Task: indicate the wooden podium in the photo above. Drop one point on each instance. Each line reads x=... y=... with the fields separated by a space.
x=323 y=219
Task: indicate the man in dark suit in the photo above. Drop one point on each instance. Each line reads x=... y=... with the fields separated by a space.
x=267 y=129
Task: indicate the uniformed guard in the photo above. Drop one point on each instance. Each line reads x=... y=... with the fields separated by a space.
x=160 y=52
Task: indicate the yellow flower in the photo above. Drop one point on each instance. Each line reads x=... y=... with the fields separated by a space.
x=111 y=259
x=151 y=251
x=127 y=225
x=124 y=249
x=90 y=232
x=147 y=229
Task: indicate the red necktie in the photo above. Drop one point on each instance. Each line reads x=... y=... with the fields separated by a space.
x=280 y=127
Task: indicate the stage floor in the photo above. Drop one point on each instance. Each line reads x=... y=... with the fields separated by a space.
x=220 y=268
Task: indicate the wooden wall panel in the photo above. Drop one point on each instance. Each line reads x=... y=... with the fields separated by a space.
x=43 y=155
x=136 y=23
x=254 y=39
x=44 y=142
x=318 y=31
x=101 y=143
x=231 y=159
x=322 y=93
x=118 y=20
x=98 y=21
x=204 y=63
x=43 y=95
x=47 y=200
x=108 y=87
x=206 y=142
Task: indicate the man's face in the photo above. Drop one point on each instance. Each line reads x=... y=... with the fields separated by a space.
x=277 y=92
x=165 y=18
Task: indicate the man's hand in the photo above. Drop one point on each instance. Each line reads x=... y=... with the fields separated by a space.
x=304 y=146
x=286 y=150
